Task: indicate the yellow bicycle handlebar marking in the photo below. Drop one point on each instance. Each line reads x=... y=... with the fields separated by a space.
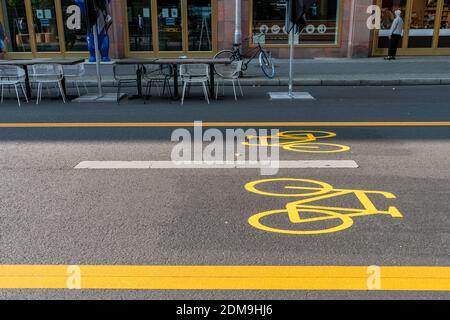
x=325 y=187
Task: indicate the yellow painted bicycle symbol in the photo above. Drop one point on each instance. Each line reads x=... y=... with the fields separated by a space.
x=298 y=141
x=301 y=217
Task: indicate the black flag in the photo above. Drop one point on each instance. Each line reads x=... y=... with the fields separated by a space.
x=296 y=14
x=91 y=13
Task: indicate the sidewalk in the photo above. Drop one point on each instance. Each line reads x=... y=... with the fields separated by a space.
x=334 y=72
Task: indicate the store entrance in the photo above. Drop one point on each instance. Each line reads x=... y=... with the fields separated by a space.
x=426 y=31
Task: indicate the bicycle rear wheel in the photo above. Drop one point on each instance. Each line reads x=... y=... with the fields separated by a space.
x=224 y=54
x=267 y=65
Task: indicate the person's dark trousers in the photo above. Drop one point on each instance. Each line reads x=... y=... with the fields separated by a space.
x=393 y=44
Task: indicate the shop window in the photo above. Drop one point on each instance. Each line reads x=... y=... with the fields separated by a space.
x=444 y=32
x=199 y=25
x=45 y=25
x=169 y=22
x=140 y=25
x=75 y=40
x=269 y=23
x=388 y=8
x=423 y=19
x=15 y=25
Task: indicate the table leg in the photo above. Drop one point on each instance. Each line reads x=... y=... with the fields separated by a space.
x=27 y=82
x=138 y=84
x=63 y=84
x=139 y=80
x=211 y=80
x=175 y=82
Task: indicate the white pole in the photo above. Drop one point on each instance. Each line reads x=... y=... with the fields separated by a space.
x=238 y=23
x=97 y=61
x=291 y=58
x=351 y=30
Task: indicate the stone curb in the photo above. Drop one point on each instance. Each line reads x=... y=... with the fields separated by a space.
x=314 y=82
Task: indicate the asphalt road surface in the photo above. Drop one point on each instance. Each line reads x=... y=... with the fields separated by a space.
x=397 y=199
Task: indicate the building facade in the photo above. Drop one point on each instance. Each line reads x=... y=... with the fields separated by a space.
x=199 y=28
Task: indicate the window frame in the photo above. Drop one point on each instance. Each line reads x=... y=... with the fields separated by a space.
x=34 y=53
x=184 y=24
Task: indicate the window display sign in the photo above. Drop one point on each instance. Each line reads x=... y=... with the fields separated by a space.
x=322 y=22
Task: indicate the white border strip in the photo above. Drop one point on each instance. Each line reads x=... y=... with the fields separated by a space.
x=288 y=164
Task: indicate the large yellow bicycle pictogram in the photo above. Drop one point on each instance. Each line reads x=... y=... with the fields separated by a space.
x=298 y=141
x=307 y=218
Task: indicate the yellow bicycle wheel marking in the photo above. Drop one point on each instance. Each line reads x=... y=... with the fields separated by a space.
x=298 y=141
x=316 y=147
x=347 y=222
x=295 y=210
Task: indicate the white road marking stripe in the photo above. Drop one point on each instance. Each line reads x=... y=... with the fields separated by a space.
x=290 y=164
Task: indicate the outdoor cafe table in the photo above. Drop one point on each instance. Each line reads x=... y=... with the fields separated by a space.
x=24 y=63
x=174 y=62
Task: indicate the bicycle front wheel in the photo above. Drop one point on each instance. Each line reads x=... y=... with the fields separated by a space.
x=224 y=54
x=267 y=65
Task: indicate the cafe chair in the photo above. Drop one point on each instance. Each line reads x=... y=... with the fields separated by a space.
x=123 y=74
x=46 y=74
x=157 y=74
x=75 y=73
x=230 y=73
x=194 y=74
x=12 y=76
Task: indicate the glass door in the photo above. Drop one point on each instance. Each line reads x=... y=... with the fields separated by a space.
x=139 y=13
x=170 y=25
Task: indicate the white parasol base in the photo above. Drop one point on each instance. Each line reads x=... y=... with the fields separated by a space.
x=290 y=96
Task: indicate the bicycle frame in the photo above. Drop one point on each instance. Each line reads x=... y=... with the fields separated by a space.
x=253 y=53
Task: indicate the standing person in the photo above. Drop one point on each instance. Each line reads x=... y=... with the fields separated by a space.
x=395 y=35
x=3 y=40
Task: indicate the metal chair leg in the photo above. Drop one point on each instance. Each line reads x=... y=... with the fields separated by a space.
x=240 y=87
x=234 y=90
x=217 y=89
x=2 y=95
x=78 y=89
x=61 y=91
x=118 y=92
x=184 y=92
x=24 y=92
x=39 y=90
x=17 y=95
x=205 y=92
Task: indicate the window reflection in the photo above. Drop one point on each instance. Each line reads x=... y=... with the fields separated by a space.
x=15 y=26
x=169 y=21
x=45 y=25
x=199 y=25
x=75 y=40
x=140 y=25
x=444 y=32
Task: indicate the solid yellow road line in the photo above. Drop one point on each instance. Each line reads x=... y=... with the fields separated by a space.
x=403 y=278
x=224 y=124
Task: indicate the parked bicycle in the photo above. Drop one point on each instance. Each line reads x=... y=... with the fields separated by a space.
x=264 y=57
